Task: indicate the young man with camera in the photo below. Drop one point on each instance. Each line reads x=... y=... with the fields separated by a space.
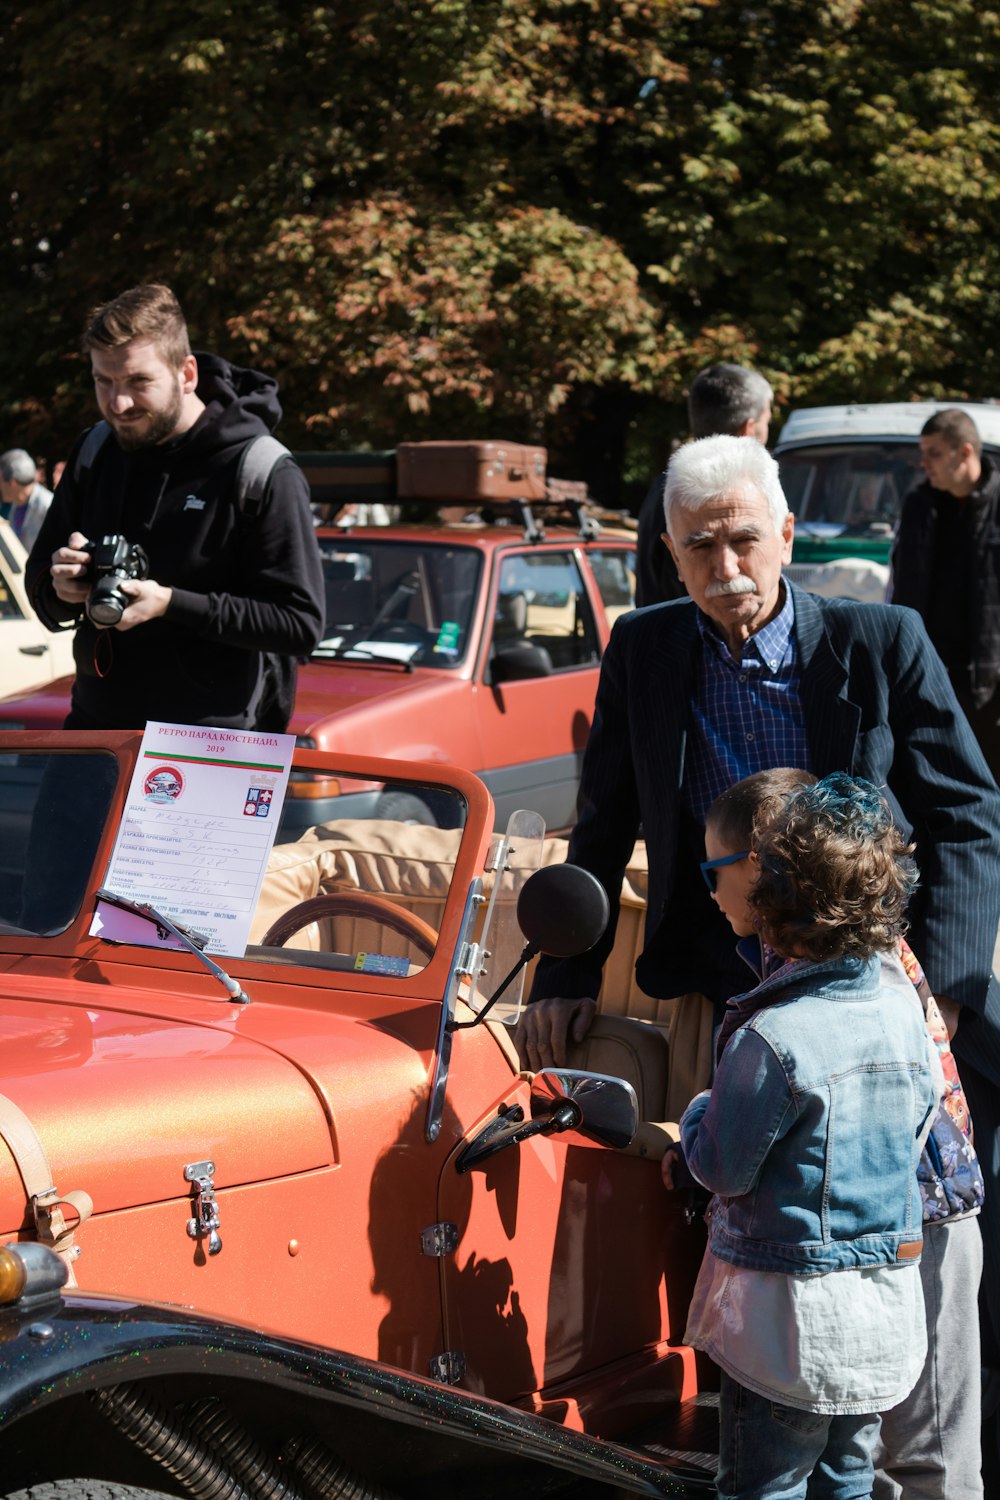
x=192 y=593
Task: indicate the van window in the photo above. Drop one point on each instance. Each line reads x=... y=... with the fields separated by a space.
x=857 y=485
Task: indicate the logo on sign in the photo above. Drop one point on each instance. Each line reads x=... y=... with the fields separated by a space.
x=165 y=784
x=258 y=803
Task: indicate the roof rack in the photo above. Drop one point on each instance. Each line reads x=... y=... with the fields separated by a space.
x=557 y=509
x=339 y=479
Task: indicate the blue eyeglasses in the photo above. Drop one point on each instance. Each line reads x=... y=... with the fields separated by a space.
x=708 y=867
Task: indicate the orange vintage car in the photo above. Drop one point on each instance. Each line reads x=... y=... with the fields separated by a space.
x=292 y=1220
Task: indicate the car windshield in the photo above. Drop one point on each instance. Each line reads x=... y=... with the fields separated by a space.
x=363 y=888
x=857 y=486
x=397 y=601
x=52 y=814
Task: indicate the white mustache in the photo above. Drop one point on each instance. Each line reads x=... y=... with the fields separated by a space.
x=740 y=585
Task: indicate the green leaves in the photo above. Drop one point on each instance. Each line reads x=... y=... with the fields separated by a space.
x=432 y=217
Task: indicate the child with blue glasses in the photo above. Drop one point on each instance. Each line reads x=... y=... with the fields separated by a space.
x=809 y=1298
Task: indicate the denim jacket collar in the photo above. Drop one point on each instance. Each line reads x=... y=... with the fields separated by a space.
x=837 y=977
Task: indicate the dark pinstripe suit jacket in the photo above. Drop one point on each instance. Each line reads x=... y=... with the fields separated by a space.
x=877 y=703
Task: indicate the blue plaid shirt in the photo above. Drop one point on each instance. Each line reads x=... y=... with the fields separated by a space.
x=746 y=715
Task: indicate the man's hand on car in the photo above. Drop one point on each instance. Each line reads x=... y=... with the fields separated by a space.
x=547 y=1027
x=671 y=1161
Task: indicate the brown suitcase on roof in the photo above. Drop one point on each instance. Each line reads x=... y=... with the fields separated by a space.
x=470 y=471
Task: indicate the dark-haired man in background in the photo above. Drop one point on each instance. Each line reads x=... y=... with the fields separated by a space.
x=722 y=399
x=946 y=566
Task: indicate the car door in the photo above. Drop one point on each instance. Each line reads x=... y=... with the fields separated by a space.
x=30 y=655
x=533 y=724
x=568 y=1283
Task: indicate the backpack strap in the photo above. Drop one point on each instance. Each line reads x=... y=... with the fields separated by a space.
x=89 y=449
x=253 y=474
x=257 y=463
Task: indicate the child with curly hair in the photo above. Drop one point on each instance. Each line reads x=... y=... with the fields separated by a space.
x=809 y=1298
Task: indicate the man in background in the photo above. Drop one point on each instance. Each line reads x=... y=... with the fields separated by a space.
x=946 y=566
x=722 y=399
x=25 y=500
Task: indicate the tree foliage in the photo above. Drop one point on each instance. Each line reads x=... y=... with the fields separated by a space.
x=530 y=218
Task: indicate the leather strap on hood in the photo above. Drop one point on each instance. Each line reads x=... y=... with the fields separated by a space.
x=53 y=1226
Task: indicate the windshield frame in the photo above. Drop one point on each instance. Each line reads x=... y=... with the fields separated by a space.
x=176 y=976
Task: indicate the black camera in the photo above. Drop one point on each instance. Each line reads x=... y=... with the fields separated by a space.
x=113 y=560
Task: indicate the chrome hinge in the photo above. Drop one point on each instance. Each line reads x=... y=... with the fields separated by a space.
x=449 y=1367
x=470 y=960
x=205 y=1221
x=496 y=857
x=439 y=1239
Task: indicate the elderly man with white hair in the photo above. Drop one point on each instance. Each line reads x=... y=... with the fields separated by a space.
x=749 y=673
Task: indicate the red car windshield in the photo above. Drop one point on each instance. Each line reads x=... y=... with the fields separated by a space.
x=398 y=601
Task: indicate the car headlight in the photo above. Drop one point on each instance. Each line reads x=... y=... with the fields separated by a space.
x=13 y=1275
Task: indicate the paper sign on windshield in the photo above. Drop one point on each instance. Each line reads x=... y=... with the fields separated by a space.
x=199 y=822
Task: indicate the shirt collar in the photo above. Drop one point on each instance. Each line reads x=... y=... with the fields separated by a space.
x=769 y=644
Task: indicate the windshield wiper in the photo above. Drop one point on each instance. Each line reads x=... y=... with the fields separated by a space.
x=194 y=942
x=359 y=653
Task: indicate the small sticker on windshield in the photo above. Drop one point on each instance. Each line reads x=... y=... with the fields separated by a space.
x=381 y=963
x=448 y=637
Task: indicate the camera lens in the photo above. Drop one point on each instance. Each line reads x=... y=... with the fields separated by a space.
x=106 y=605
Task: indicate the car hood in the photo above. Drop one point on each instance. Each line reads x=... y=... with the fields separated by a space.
x=108 y=1090
x=328 y=690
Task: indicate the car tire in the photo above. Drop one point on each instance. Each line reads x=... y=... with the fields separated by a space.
x=403 y=807
x=399 y=806
x=85 y=1489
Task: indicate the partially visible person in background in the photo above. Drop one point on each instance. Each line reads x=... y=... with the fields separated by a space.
x=946 y=566
x=722 y=399
x=25 y=499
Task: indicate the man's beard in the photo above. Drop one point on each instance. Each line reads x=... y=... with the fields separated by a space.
x=157 y=427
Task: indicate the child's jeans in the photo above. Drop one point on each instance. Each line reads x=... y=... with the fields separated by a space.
x=773 y=1452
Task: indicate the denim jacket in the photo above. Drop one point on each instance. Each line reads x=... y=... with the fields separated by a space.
x=811 y=1133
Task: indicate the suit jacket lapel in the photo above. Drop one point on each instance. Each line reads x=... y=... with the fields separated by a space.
x=832 y=720
x=673 y=653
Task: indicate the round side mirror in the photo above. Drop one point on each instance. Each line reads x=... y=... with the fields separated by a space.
x=562 y=910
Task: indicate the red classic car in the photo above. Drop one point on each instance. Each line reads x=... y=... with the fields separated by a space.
x=467 y=642
x=324 y=1235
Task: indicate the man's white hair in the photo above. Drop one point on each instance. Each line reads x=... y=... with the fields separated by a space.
x=715 y=466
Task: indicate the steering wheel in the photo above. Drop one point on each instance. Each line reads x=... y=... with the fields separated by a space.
x=362 y=904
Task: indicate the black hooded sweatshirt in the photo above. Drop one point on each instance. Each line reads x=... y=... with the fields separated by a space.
x=247 y=587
